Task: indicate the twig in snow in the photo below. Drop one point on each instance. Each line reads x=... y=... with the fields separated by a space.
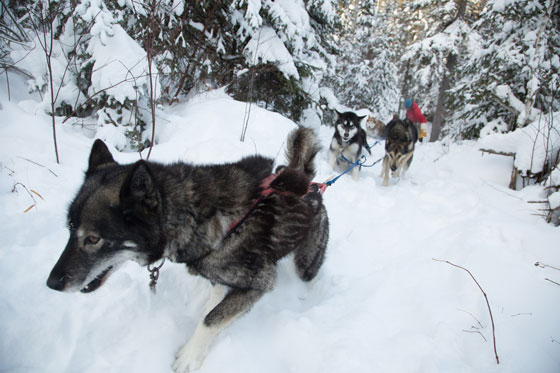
x=30 y=192
x=542 y=265
x=487 y=303
x=467 y=312
x=554 y=282
x=478 y=332
x=40 y=165
x=523 y=314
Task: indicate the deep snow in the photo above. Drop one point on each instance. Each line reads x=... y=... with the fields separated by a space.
x=380 y=304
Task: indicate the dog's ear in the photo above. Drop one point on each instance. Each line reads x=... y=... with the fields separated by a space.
x=139 y=195
x=338 y=112
x=362 y=117
x=99 y=156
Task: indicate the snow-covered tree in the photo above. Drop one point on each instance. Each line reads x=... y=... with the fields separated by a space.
x=285 y=52
x=512 y=73
x=366 y=76
x=423 y=64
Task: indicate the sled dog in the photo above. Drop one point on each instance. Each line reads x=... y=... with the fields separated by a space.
x=222 y=221
x=348 y=141
x=401 y=135
x=375 y=128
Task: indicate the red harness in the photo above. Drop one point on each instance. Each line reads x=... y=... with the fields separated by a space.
x=268 y=190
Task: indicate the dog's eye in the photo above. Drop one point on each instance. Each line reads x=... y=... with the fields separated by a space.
x=92 y=240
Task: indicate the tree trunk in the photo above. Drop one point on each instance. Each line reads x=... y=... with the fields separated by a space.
x=442 y=95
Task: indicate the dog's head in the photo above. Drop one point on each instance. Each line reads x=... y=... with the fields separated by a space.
x=399 y=142
x=348 y=124
x=375 y=128
x=115 y=217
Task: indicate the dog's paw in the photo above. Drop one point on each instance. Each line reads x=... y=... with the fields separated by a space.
x=189 y=358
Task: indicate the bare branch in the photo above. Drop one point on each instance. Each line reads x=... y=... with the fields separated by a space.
x=542 y=265
x=485 y=297
x=554 y=282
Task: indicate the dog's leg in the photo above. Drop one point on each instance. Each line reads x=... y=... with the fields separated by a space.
x=237 y=301
x=403 y=165
x=385 y=171
x=407 y=165
x=217 y=294
x=355 y=172
x=309 y=256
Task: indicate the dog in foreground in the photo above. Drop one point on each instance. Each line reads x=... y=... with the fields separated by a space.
x=348 y=141
x=401 y=135
x=219 y=220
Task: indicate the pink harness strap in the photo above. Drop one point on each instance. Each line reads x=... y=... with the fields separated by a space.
x=268 y=190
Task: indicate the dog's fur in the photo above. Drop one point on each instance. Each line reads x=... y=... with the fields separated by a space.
x=375 y=128
x=349 y=139
x=147 y=211
x=401 y=136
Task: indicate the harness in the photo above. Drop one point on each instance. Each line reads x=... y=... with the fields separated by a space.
x=268 y=190
x=359 y=162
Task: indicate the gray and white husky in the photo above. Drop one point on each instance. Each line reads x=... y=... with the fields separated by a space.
x=222 y=221
x=401 y=135
x=348 y=141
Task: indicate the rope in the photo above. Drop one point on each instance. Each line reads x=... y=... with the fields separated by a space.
x=361 y=159
x=359 y=162
x=369 y=147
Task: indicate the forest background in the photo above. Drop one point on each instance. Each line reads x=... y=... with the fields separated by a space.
x=474 y=67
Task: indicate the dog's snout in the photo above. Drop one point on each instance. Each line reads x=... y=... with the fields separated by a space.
x=56 y=281
x=393 y=168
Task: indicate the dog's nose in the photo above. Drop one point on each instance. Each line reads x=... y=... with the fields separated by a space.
x=393 y=168
x=56 y=282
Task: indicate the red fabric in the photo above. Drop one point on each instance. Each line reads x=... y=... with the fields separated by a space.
x=415 y=115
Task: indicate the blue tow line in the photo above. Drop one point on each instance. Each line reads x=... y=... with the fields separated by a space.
x=359 y=162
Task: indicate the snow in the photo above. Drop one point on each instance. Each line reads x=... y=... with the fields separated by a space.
x=126 y=76
x=532 y=145
x=380 y=303
x=265 y=46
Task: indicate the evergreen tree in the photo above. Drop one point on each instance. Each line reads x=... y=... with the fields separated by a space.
x=423 y=64
x=512 y=72
x=285 y=52
x=366 y=76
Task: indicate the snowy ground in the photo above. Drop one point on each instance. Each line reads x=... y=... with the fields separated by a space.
x=381 y=303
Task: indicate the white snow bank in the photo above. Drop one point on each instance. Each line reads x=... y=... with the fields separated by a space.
x=533 y=145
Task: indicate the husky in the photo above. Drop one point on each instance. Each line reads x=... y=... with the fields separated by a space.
x=348 y=141
x=375 y=128
x=222 y=221
x=401 y=135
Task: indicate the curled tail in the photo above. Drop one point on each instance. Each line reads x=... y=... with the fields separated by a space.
x=301 y=150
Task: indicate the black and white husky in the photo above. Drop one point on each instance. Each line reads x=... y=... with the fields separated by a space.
x=229 y=223
x=348 y=142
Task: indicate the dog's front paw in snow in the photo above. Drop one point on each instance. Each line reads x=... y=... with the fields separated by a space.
x=189 y=358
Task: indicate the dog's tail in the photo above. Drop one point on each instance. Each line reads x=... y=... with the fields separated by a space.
x=301 y=150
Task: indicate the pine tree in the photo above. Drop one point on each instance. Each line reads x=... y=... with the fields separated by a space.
x=513 y=69
x=423 y=64
x=285 y=53
x=366 y=76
